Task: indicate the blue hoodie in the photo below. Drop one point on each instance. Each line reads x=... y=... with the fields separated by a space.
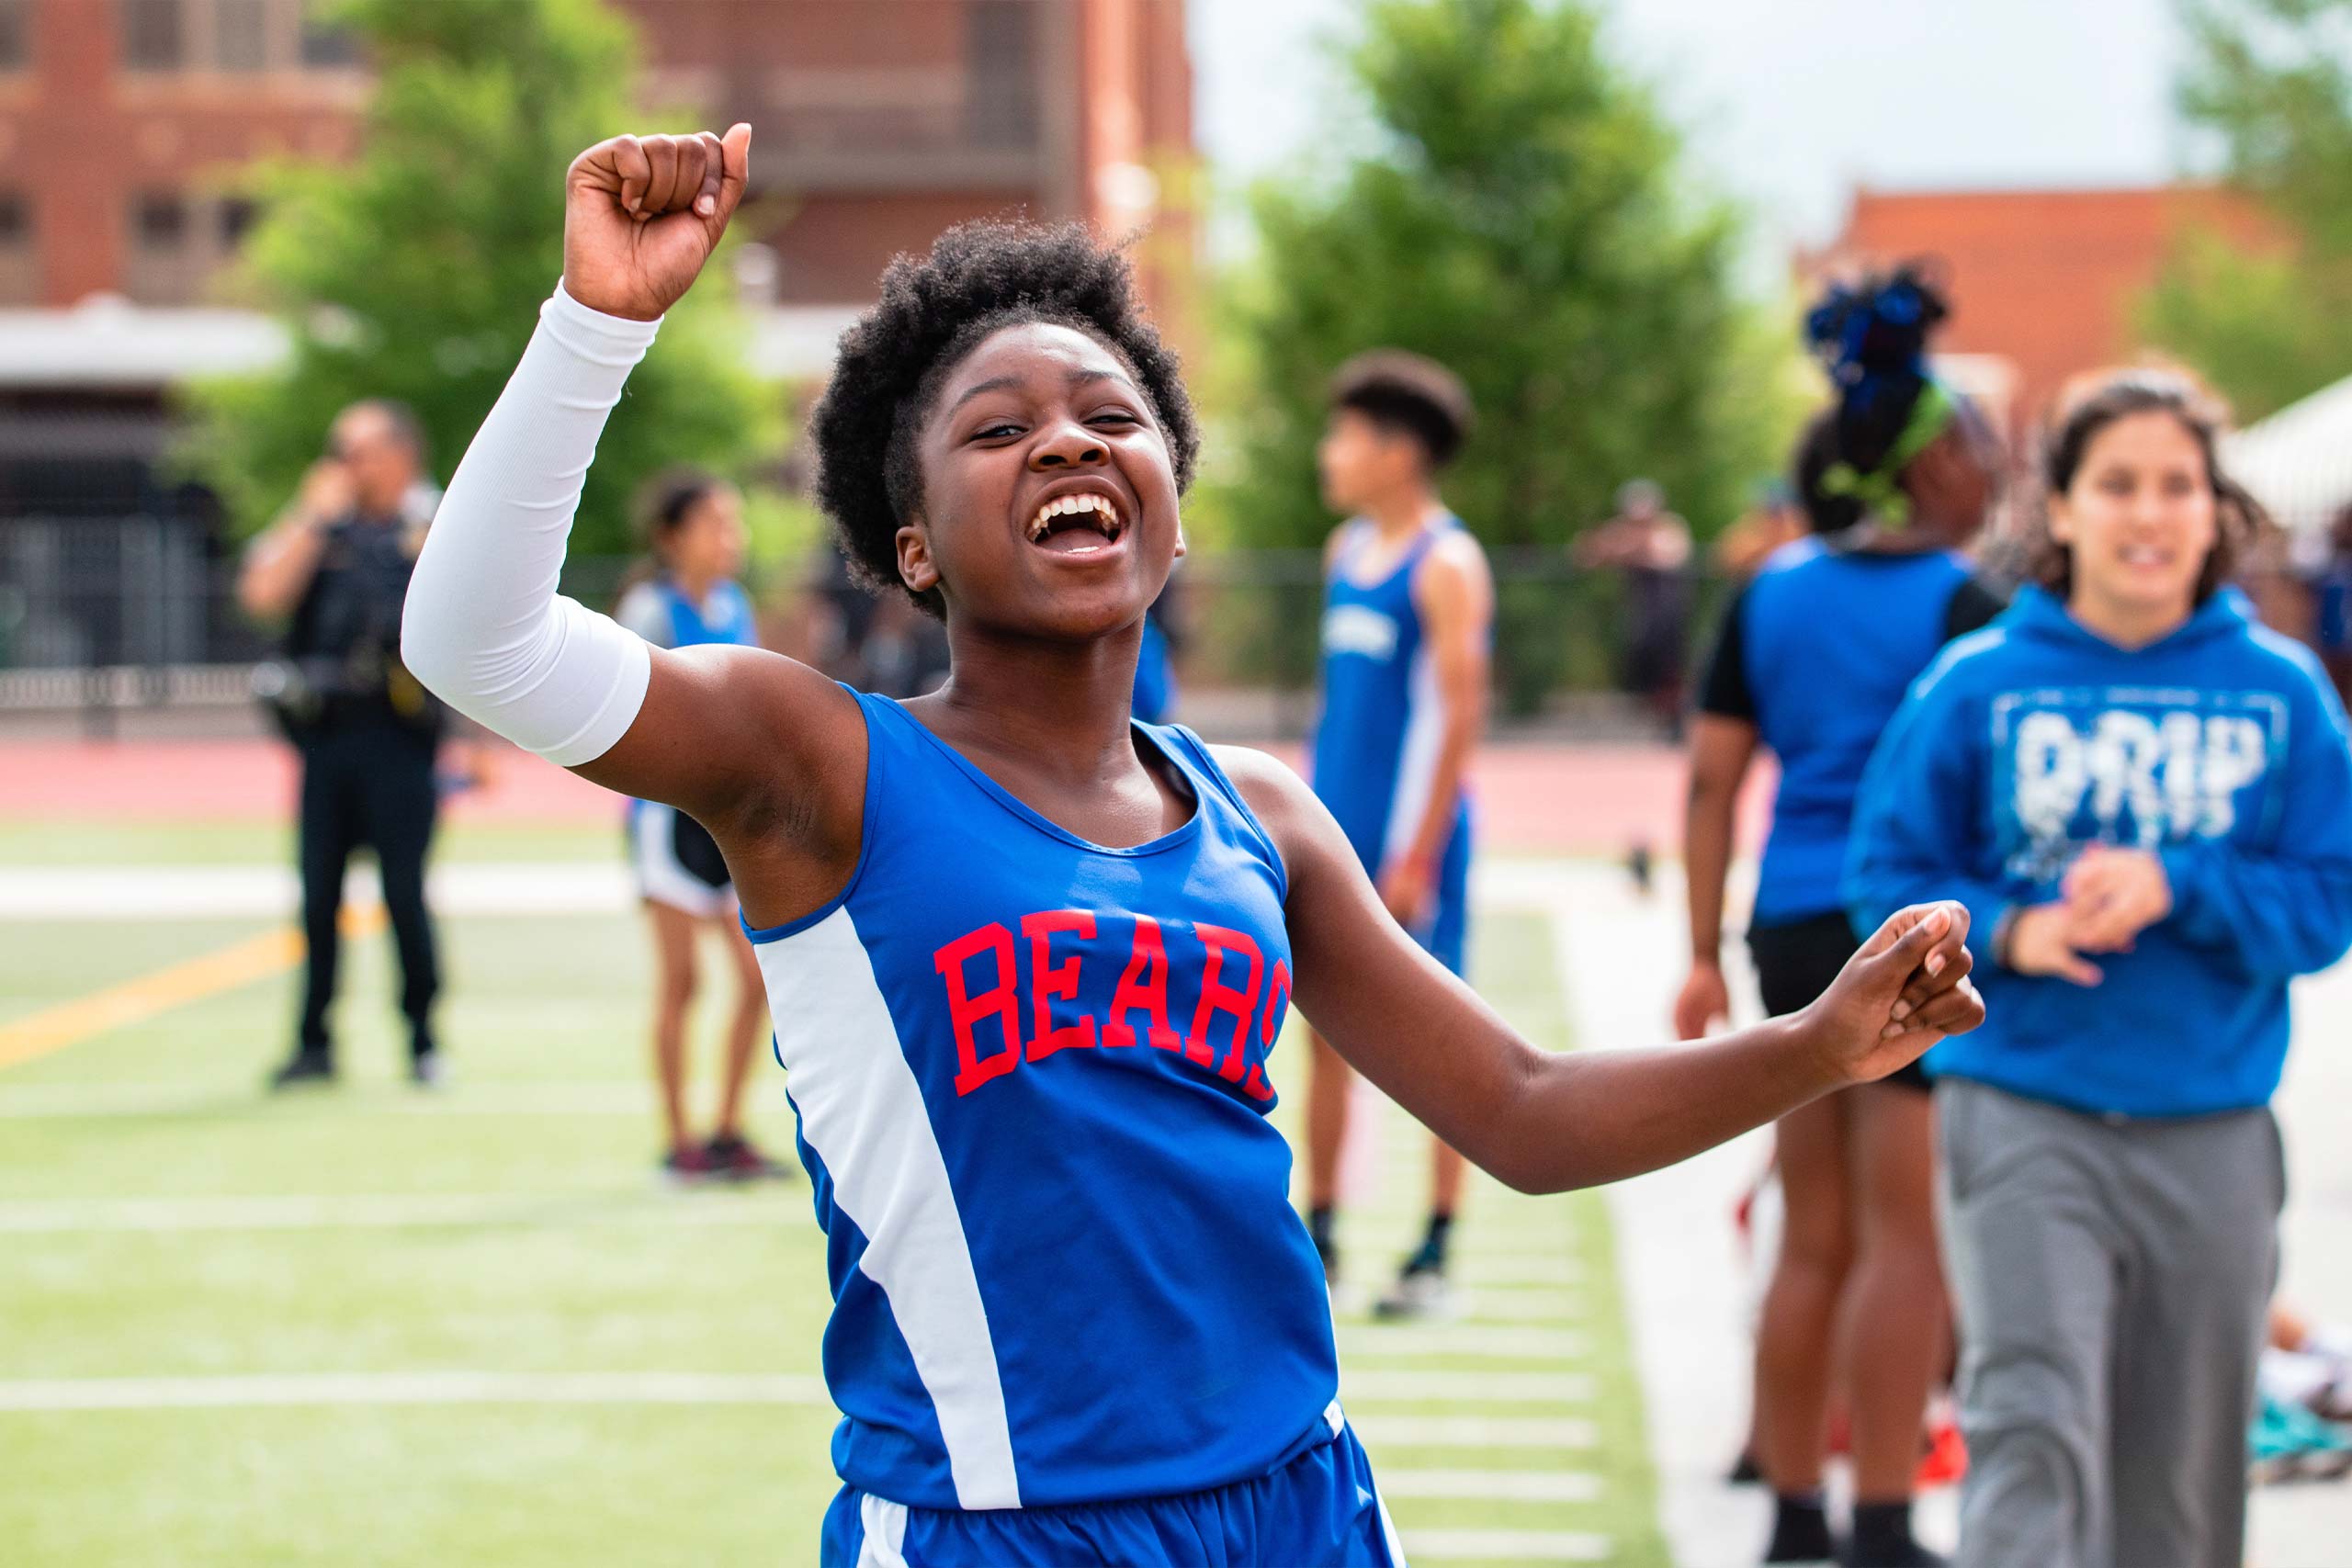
x=2220 y=748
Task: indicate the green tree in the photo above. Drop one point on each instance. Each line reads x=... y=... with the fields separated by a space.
x=415 y=270
x=1521 y=219
x=2273 y=80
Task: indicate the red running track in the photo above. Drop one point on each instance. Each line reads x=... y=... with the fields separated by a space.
x=1558 y=798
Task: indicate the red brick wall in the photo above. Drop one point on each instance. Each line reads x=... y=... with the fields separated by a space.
x=80 y=138
x=2046 y=280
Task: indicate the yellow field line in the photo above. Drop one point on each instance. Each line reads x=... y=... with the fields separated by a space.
x=134 y=1001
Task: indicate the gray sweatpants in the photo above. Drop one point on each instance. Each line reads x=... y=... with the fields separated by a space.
x=2112 y=1281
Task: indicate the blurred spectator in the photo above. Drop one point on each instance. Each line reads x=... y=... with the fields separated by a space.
x=876 y=644
x=2332 y=603
x=336 y=565
x=1772 y=522
x=1651 y=547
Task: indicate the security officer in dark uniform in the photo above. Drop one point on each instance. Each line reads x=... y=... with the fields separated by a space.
x=336 y=565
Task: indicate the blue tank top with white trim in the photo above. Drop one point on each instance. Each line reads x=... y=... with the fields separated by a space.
x=1376 y=742
x=659 y=611
x=1030 y=1074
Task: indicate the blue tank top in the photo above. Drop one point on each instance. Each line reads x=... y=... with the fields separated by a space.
x=1832 y=640
x=657 y=612
x=1030 y=1078
x=1376 y=742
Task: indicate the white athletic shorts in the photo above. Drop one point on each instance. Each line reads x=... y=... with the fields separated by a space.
x=676 y=862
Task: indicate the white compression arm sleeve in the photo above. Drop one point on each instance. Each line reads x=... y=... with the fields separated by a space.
x=484 y=629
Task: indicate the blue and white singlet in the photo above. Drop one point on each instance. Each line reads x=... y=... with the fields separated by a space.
x=1383 y=723
x=657 y=612
x=1030 y=1078
x=674 y=858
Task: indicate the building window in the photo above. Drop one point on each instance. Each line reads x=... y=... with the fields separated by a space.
x=326 y=46
x=159 y=219
x=241 y=34
x=152 y=36
x=15 y=22
x=16 y=220
x=238 y=215
x=1001 y=103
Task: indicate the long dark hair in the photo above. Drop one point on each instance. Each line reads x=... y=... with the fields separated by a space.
x=664 y=502
x=2118 y=395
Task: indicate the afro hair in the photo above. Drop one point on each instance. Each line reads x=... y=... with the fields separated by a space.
x=1410 y=394
x=935 y=309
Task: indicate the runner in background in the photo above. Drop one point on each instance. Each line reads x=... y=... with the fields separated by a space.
x=1409 y=614
x=685 y=595
x=1814 y=658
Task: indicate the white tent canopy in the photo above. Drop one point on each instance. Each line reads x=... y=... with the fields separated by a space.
x=2298 y=462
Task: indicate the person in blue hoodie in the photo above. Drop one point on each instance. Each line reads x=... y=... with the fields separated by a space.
x=2147 y=799
x=1813 y=659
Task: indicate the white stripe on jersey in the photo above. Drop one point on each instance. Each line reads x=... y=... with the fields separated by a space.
x=862 y=1112
x=1417 y=757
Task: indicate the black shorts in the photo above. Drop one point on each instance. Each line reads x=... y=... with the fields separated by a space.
x=1797 y=961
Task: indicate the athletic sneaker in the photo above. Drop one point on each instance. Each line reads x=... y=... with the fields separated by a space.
x=733 y=1158
x=2288 y=1443
x=303 y=1067
x=1800 y=1532
x=1909 y=1553
x=427 y=1070
x=1420 y=1292
x=1946 y=1460
x=686 y=1164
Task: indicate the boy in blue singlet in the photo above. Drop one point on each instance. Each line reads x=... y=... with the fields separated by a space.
x=1408 y=613
x=1026 y=957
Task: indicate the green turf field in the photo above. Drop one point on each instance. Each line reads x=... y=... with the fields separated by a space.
x=364 y=1326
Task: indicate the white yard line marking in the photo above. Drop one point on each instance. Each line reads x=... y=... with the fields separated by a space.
x=1421 y=1341
x=1379 y=1428
x=1492 y=1485
x=1483 y=1305
x=1544 y=1267
x=185 y=891
x=1387 y=1386
x=407 y=1388
x=107 y=1102
x=361 y=1211
x=1506 y=1546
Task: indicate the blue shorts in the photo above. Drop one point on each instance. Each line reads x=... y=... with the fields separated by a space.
x=1320 y=1510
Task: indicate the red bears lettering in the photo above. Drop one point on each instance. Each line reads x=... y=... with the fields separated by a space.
x=1270 y=1023
x=1219 y=996
x=1234 y=1002
x=1050 y=980
x=1146 y=964
x=966 y=1010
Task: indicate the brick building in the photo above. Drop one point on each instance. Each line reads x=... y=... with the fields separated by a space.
x=880 y=122
x=2043 y=282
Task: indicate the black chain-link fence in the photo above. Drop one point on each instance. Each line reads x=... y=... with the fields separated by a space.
x=103 y=614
